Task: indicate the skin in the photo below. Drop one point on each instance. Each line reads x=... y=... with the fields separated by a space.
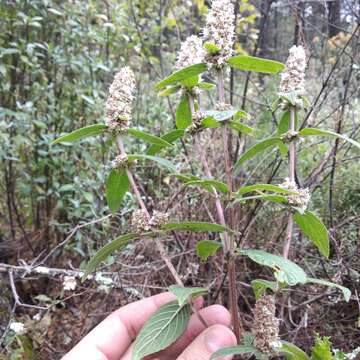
x=112 y=339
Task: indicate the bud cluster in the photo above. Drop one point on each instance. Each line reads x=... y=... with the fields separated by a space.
x=221 y=106
x=120 y=162
x=191 y=52
x=196 y=126
x=219 y=31
x=290 y=136
x=292 y=78
x=301 y=198
x=266 y=325
x=141 y=221
x=119 y=102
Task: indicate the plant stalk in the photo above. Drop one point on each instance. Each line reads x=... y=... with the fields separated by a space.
x=159 y=244
x=292 y=164
x=236 y=321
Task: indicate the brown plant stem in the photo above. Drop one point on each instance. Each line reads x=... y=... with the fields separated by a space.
x=292 y=164
x=159 y=244
x=236 y=321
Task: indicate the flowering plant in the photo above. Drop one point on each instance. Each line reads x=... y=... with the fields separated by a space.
x=213 y=52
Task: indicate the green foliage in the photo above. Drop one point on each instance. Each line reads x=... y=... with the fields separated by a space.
x=108 y=249
x=286 y=271
x=152 y=139
x=169 y=137
x=346 y=292
x=195 y=226
x=322 y=349
x=264 y=187
x=251 y=63
x=161 y=330
x=234 y=350
x=183 y=113
x=292 y=352
x=184 y=294
x=207 y=248
x=181 y=75
x=259 y=286
x=161 y=161
x=117 y=184
x=208 y=184
x=84 y=132
x=314 y=229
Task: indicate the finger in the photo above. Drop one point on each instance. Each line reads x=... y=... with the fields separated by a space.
x=214 y=314
x=209 y=341
x=110 y=339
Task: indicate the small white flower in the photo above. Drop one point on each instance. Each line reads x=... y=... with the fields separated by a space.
x=191 y=52
x=103 y=280
x=301 y=198
x=220 y=31
x=18 y=328
x=293 y=77
x=69 y=283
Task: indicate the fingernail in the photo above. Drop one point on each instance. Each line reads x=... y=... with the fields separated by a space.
x=218 y=337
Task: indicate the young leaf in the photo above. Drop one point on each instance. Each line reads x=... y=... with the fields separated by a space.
x=262 y=187
x=161 y=161
x=286 y=270
x=161 y=330
x=259 y=286
x=257 y=148
x=240 y=127
x=84 y=132
x=117 y=184
x=314 y=229
x=211 y=48
x=195 y=226
x=292 y=352
x=184 y=294
x=181 y=75
x=169 y=137
x=152 y=139
x=208 y=184
x=207 y=248
x=234 y=350
x=251 y=63
x=346 y=292
x=322 y=349
x=183 y=113
x=313 y=131
x=107 y=250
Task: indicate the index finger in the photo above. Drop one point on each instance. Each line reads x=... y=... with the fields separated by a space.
x=110 y=339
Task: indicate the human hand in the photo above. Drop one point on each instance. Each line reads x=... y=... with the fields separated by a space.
x=112 y=338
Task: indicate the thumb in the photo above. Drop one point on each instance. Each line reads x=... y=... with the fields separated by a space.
x=209 y=341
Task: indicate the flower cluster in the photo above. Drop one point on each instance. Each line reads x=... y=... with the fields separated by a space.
x=191 y=52
x=17 y=328
x=290 y=136
x=196 y=126
x=301 y=198
x=119 y=102
x=69 y=283
x=222 y=106
x=266 y=325
x=292 y=78
x=120 y=162
x=219 y=33
x=141 y=221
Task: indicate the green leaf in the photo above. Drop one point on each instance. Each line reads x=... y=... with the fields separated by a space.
x=322 y=349
x=314 y=229
x=84 y=132
x=169 y=137
x=234 y=350
x=117 y=184
x=251 y=63
x=221 y=115
x=264 y=187
x=259 y=286
x=238 y=126
x=161 y=330
x=211 y=48
x=152 y=139
x=161 y=161
x=170 y=90
x=270 y=197
x=181 y=75
x=107 y=250
x=184 y=294
x=208 y=184
x=183 y=113
x=207 y=248
x=286 y=270
x=313 y=131
x=210 y=122
x=206 y=86
x=346 y=292
x=195 y=226
x=292 y=352
x=257 y=148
